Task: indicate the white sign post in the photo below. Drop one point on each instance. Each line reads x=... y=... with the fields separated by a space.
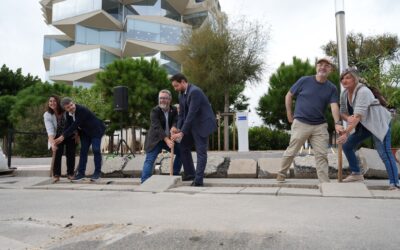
x=242 y=123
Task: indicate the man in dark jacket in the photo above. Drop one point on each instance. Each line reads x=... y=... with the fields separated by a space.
x=91 y=131
x=196 y=122
x=163 y=117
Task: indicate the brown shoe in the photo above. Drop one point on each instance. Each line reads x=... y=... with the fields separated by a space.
x=280 y=178
x=56 y=179
x=354 y=178
x=70 y=177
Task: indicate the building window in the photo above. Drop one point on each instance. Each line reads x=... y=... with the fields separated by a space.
x=85 y=35
x=71 y=8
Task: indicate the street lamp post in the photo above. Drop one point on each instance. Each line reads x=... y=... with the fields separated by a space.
x=342 y=58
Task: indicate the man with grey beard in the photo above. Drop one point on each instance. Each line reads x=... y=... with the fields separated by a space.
x=313 y=94
x=163 y=117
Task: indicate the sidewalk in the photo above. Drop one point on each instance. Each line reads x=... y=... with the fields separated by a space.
x=373 y=189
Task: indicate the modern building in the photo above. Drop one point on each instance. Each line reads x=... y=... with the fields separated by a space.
x=96 y=32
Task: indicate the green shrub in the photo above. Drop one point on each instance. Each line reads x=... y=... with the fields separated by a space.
x=263 y=138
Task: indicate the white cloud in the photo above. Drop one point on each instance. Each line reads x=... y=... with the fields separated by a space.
x=297 y=28
x=300 y=28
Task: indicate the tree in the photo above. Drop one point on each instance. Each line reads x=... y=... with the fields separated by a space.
x=271 y=107
x=10 y=84
x=27 y=116
x=36 y=95
x=376 y=58
x=221 y=59
x=144 y=80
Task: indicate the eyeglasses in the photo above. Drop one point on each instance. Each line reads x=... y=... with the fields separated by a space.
x=163 y=98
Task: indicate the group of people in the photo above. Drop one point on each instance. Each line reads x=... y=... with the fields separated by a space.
x=66 y=124
x=190 y=126
x=359 y=108
x=182 y=130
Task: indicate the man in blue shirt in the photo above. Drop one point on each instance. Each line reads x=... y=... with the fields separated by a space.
x=313 y=95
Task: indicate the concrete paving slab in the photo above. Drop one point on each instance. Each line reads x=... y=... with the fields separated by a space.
x=242 y=168
x=106 y=187
x=69 y=186
x=357 y=189
x=159 y=183
x=299 y=192
x=260 y=190
x=223 y=190
x=249 y=182
x=188 y=189
x=9 y=243
x=386 y=194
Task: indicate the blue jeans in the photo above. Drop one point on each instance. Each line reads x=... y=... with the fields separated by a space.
x=86 y=141
x=383 y=149
x=151 y=157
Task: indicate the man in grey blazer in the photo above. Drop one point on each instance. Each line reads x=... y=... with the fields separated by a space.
x=163 y=117
x=196 y=121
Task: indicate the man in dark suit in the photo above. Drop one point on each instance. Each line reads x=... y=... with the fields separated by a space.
x=91 y=131
x=196 y=121
x=163 y=118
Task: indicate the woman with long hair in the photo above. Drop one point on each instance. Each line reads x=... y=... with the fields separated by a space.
x=54 y=120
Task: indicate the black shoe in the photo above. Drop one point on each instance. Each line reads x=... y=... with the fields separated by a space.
x=196 y=184
x=188 y=178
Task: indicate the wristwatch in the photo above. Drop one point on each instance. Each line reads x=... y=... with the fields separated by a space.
x=339 y=123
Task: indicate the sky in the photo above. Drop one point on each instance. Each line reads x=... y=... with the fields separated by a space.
x=295 y=28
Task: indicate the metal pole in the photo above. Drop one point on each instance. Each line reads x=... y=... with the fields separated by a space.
x=343 y=61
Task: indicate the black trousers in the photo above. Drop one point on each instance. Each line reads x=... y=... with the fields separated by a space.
x=70 y=147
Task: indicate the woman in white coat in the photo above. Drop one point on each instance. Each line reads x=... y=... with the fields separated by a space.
x=54 y=120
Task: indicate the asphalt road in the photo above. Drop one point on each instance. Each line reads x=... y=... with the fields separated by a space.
x=65 y=219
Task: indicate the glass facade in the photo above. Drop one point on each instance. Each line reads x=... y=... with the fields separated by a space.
x=80 y=61
x=170 y=65
x=71 y=8
x=52 y=45
x=155 y=8
x=154 y=32
x=139 y=20
x=85 y=35
x=85 y=85
x=196 y=19
x=114 y=8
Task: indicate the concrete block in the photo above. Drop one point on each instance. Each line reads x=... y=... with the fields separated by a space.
x=134 y=166
x=269 y=167
x=114 y=163
x=159 y=183
x=298 y=192
x=372 y=162
x=355 y=189
x=304 y=166
x=242 y=168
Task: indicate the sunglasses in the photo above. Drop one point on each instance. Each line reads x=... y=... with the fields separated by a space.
x=352 y=69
